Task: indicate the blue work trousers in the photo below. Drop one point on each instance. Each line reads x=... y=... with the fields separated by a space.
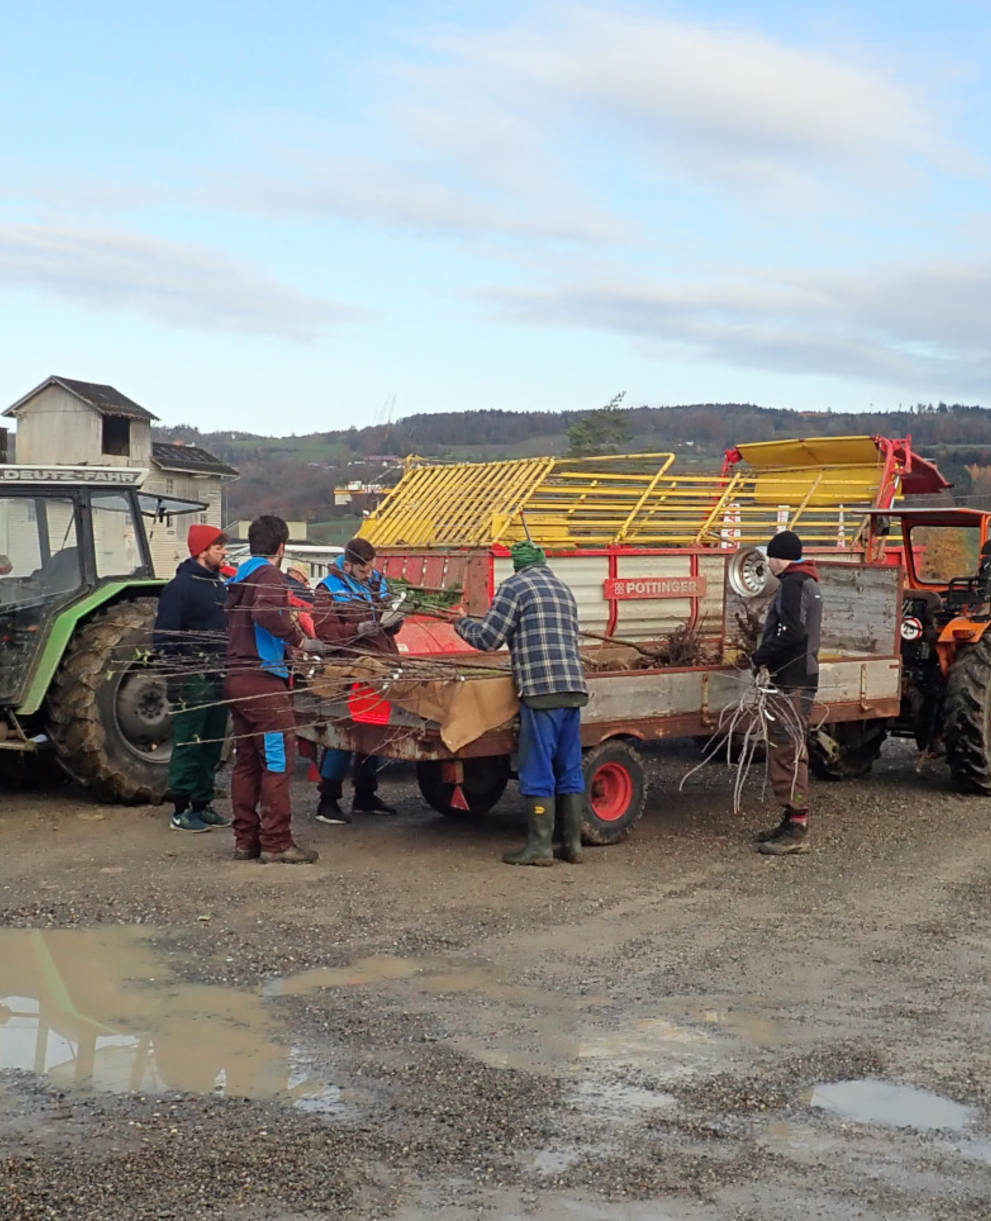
x=550 y=751
x=334 y=767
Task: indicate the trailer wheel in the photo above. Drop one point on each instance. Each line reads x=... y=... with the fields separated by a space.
x=485 y=781
x=615 y=792
x=846 y=750
x=967 y=719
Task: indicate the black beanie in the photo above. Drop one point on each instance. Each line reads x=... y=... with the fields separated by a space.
x=785 y=546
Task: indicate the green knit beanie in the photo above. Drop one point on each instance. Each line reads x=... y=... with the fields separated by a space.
x=526 y=555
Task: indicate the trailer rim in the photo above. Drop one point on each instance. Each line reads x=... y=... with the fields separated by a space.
x=611 y=791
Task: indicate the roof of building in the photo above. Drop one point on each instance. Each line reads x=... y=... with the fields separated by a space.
x=176 y=456
x=104 y=399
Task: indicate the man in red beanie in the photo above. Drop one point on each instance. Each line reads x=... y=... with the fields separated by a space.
x=191 y=635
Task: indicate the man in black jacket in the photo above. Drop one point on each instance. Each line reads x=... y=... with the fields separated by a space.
x=191 y=635
x=789 y=653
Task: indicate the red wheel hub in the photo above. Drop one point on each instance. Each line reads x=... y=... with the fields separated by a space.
x=611 y=791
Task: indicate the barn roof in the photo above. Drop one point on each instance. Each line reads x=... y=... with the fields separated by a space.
x=104 y=399
x=188 y=459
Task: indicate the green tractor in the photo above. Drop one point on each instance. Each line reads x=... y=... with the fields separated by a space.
x=78 y=597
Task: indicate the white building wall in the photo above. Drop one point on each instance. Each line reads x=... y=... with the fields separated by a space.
x=167 y=540
x=55 y=426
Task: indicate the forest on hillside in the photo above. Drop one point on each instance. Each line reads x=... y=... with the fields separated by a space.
x=295 y=476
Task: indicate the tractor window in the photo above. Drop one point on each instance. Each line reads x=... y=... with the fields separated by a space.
x=115 y=541
x=944 y=552
x=38 y=548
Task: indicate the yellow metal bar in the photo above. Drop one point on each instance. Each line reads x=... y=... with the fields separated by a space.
x=629 y=498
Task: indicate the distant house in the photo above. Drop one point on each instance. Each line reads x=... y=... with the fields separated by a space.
x=239 y=530
x=64 y=421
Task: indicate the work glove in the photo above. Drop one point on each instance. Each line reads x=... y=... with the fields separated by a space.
x=392 y=621
x=319 y=648
x=366 y=627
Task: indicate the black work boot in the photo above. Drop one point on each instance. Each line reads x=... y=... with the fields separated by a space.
x=540 y=832
x=763 y=837
x=794 y=839
x=369 y=803
x=570 y=806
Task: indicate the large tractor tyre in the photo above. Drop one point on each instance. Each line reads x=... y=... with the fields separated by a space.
x=967 y=719
x=615 y=792
x=108 y=710
x=846 y=750
x=485 y=781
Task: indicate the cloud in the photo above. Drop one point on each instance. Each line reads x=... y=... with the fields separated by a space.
x=708 y=91
x=180 y=283
x=410 y=197
x=579 y=123
x=917 y=326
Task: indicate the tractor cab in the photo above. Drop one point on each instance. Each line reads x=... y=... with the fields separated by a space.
x=945 y=554
x=946 y=645
x=63 y=532
x=77 y=601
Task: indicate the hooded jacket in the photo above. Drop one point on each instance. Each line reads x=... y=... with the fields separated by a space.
x=789 y=646
x=190 y=620
x=260 y=627
x=342 y=602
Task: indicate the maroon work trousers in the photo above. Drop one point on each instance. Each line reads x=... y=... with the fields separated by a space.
x=788 y=757
x=265 y=746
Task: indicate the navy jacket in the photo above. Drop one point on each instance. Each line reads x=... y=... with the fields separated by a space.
x=191 y=620
x=789 y=646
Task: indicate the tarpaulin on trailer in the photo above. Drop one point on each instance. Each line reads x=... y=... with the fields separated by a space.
x=463 y=708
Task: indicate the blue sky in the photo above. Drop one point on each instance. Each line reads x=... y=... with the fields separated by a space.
x=276 y=218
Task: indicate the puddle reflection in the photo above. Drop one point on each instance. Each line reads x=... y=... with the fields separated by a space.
x=898 y=1106
x=98 y=1007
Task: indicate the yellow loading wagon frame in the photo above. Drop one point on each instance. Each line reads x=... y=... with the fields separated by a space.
x=820 y=487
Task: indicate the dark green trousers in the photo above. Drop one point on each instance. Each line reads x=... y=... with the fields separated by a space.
x=199 y=728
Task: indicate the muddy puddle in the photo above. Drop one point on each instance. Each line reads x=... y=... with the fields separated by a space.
x=872 y=1101
x=101 y=1008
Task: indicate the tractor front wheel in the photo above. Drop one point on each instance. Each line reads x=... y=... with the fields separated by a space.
x=967 y=719
x=108 y=710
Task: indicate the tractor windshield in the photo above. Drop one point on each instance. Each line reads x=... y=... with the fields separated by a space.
x=39 y=569
x=945 y=553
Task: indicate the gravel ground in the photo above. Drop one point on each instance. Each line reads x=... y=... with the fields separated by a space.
x=640 y=1037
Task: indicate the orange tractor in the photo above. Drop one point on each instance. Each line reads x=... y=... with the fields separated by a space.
x=945 y=647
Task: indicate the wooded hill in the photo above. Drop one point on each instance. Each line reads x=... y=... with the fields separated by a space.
x=295 y=476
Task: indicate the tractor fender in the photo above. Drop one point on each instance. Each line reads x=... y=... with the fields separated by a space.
x=61 y=629
x=958 y=632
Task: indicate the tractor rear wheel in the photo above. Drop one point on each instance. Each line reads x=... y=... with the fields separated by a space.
x=108 y=710
x=967 y=719
x=485 y=780
x=846 y=750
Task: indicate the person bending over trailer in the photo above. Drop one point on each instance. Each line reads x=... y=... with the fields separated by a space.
x=535 y=614
x=347 y=613
x=789 y=652
x=261 y=638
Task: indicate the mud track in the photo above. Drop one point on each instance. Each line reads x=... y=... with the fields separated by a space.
x=411 y=1029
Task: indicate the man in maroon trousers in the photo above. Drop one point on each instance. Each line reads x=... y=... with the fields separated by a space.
x=262 y=636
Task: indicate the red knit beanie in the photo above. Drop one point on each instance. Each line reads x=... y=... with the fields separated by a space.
x=201 y=537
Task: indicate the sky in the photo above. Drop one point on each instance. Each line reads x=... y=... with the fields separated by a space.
x=316 y=215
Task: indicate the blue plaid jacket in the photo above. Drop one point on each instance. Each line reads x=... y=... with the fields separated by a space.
x=535 y=614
